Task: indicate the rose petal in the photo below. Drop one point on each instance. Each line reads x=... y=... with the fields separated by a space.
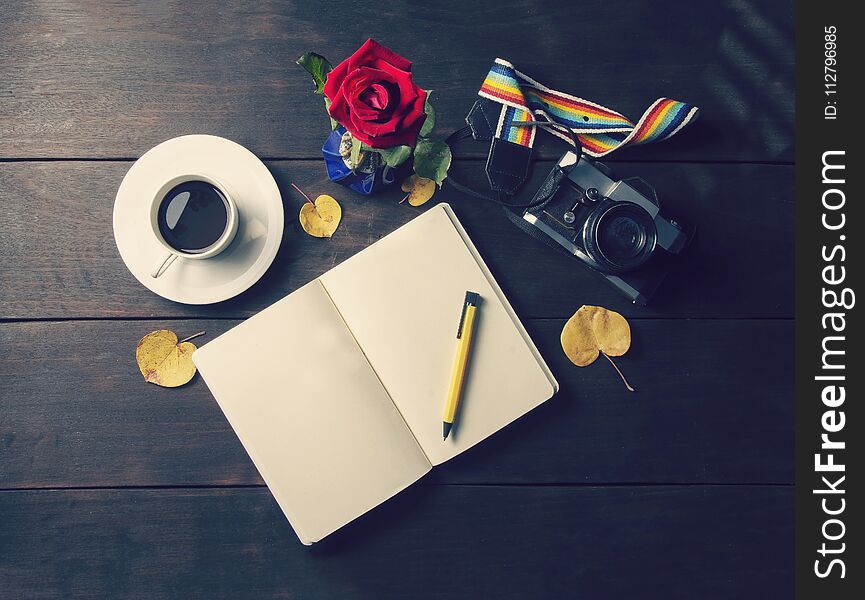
x=334 y=80
x=361 y=121
x=366 y=139
x=339 y=109
x=363 y=112
x=375 y=96
x=403 y=138
x=363 y=109
x=355 y=89
x=416 y=116
x=411 y=115
x=375 y=128
x=372 y=50
x=407 y=88
x=400 y=131
x=366 y=76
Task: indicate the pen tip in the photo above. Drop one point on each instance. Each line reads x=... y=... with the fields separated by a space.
x=446 y=429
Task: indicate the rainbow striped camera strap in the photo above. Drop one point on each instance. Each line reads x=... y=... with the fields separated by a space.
x=599 y=129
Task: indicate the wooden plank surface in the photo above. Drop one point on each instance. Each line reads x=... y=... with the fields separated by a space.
x=58 y=241
x=110 y=487
x=113 y=78
x=429 y=542
x=713 y=406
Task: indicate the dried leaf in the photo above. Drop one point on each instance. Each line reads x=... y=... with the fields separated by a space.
x=578 y=339
x=322 y=217
x=165 y=361
x=319 y=218
x=592 y=331
x=420 y=189
x=611 y=331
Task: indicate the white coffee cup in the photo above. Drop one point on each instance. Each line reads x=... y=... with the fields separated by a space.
x=218 y=246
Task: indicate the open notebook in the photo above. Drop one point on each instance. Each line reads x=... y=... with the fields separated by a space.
x=337 y=390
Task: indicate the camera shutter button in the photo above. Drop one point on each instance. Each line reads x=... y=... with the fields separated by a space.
x=592 y=194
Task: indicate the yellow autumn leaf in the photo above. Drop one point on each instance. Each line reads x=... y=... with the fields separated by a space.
x=321 y=217
x=592 y=331
x=578 y=340
x=419 y=190
x=611 y=330
x=165 y=361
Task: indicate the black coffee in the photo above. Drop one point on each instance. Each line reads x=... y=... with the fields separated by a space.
x=193 y=216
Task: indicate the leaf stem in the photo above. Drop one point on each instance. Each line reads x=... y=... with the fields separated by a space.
x=622 y=375
x=192 y=337
x=302 y=193
x=405 y=198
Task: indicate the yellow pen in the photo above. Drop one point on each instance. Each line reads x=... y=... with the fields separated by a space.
x=465 y=331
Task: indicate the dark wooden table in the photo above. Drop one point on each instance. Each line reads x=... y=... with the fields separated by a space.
x=110 y=487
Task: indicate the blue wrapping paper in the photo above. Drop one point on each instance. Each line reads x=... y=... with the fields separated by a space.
x=340 y=172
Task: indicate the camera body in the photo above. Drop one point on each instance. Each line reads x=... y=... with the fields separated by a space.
x=615 y=227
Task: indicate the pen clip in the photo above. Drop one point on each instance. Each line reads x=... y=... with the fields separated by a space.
x=471 y=300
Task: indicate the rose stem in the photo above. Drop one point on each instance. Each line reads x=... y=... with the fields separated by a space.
x=302 y=193
x=192 y=337
x=627 y=385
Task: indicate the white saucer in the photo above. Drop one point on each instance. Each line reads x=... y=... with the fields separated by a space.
x=259 y=206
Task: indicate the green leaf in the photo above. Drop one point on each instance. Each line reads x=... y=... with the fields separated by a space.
x=317 y=66
x=354 y=157
x=430 y=121
x=432 y=160
x=394 y=157
x=333 y=123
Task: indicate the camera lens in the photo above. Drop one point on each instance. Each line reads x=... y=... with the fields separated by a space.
x=620 y=236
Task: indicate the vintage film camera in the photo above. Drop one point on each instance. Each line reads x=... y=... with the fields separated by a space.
x=614 y=227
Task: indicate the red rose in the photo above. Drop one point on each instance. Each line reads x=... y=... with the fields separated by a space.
x=373 y=96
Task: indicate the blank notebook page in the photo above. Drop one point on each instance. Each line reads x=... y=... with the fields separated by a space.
x=402 y=298
x=311 y=412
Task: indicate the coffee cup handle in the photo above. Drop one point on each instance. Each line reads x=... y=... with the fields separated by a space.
x=163 y=265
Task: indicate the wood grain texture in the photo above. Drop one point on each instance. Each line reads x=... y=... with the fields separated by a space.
x=114 y=78
x=60 y=260
x=429 y=542
x=714 y=406
x=682 y=490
